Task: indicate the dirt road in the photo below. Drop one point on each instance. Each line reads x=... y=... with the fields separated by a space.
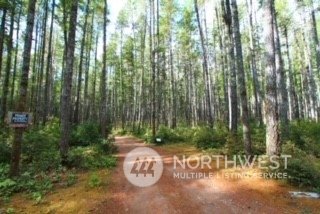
x=207 y=195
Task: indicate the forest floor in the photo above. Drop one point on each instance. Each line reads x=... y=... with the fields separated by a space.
x=169 y=194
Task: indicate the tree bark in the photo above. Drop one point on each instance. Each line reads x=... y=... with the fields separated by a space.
x=205 y=66
x=18 y=132
x=67 y=84
x=241 y=80
x=103 y=87
x=271 y=113
x=48 y=69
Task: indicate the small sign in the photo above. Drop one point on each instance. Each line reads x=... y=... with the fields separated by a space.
x=19 y=119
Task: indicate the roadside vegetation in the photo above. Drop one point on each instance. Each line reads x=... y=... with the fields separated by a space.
x=41 y=170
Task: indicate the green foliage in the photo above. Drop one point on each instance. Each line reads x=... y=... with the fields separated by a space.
x=10 y=210
x=71 y=178
x=306 y=136
x=258 y=135
x=301 y=168
x=5 y=151
x=40 y=149
x=85 y=134
x=5 y=144
x=147 y=136
x=120 y=132
x=7 y=183
x=89 y=158
x=234 y=145
x=206 y=137
x=106 y=146
x=168 y=135
x=94 y=180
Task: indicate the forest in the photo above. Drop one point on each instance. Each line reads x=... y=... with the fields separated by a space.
x=226 y=76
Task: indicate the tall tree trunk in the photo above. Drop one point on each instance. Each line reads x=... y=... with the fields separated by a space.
x=271 y=112
x=153 y=70
x=15 y=64
x=18 y=132
x=241 y=80
x=281 y=83
x=103 y=87
x=2 y=35
x=232 y=83
x=67 y=84
x=205 y=66
x=142 y=105
x=48 y=69
x=256 y=88
x=93 y=115
x=86 y=109
x=76 y=118
x=293 y=98
x=8 y=67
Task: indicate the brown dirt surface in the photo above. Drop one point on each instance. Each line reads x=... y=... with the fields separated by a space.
x=207 y=195
x=169 y=194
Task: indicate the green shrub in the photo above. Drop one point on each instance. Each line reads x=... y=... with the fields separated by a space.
x=120 y=132
x=106 y=146
x=85 y=134
x=40 y=149
x=94 y=180
x=301 y=167
x=206 y=137
x=306 y=136
x=147 y=136
x=234 y=145
x=89 y=158
x=5 y=150
x=168 y=135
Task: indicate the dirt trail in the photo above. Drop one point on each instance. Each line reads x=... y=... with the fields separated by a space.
x=208 y=195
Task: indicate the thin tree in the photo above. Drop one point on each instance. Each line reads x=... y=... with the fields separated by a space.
x=18 y=132
x=67 y=84
x=103 y=87
x=8 y=64
x=241 y=80
x=205 y=66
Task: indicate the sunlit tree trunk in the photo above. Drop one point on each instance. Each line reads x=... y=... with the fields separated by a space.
x=271 y=108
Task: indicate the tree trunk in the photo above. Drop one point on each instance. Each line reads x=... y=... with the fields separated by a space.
x=271 y=113
x=232 y=83
x=48 y=69
x=15 y=65
x=103 y=87
x=67 y=84
x=281 y=83
x=76 y=118
x=18 y=132
x=256 y=88
x=241 y=81
x=8 y=67
x=2 y=35
x=205 y=66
